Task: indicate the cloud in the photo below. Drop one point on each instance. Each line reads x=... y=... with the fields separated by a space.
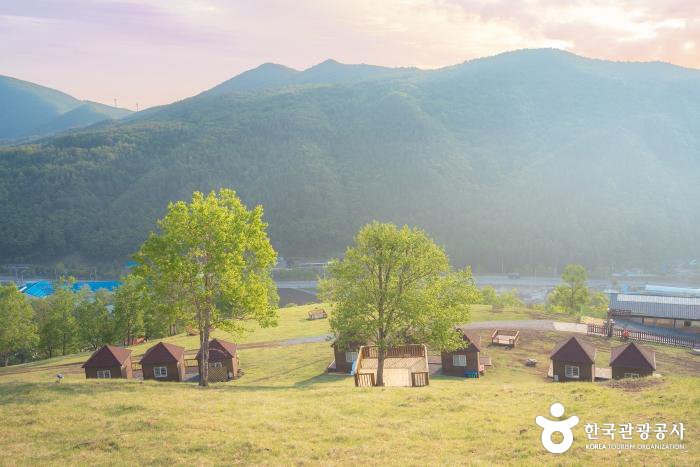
x=156 y=51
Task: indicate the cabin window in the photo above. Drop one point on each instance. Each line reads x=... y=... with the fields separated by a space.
x=160 y=372
x=632 y=375
x=459 y=360
x=571 y=371
x=350 y=357
x=215 y=365
x=104 y=374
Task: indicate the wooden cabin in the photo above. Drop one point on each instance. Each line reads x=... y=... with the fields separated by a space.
x=632 y=361
x=573 y=360
x=109 y=362
x=464 y=361
x=164 y=362
x=345 y=356
x=223 y=360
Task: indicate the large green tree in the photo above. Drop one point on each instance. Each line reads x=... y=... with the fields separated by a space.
x=395 y=286
x=55 y=316
x=17 y=328
x=573 y=293
x=211 y=260
x=94 y=323
x=129 y=303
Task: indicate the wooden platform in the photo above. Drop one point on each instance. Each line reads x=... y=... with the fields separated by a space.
x=406 y=363
x=405 y=366
x=392 y=376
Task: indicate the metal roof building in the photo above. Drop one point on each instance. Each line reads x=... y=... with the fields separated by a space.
x=656 y=306
x=45 y=288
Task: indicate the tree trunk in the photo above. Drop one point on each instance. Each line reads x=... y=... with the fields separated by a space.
x=7 y=359
x=204 y=346
x=380 y=366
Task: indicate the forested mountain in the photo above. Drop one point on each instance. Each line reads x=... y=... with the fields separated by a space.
x=532 y=159
x=27 y=109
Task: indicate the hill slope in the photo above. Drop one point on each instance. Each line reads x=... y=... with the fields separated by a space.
x=27 y=109
x=532 y=158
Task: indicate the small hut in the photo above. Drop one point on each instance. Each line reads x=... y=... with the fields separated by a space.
x=345 y=356
x=109 y=362
x=573 y=360
x=223 y=360
x=465 y=360
x=632 y=361
x=164 y=362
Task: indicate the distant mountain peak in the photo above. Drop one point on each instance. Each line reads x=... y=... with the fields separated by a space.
x=29 y=110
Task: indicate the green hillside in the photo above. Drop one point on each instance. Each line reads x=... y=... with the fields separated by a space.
x=540 y=157
x=28 y=109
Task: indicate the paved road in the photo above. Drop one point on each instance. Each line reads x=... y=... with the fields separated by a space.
x=530 y=324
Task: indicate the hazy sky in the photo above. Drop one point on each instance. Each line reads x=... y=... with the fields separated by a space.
x=158 y=51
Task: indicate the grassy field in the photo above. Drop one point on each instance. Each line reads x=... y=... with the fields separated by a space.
x=287 y=410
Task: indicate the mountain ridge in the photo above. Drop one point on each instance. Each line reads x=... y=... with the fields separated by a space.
x=29 y=110
x=567 y=159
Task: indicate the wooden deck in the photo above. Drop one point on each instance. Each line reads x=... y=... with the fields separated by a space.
x=407 y=363
x=400 y=377
x=403 y=366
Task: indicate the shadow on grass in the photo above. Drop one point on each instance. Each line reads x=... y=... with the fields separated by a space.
x=16 y=393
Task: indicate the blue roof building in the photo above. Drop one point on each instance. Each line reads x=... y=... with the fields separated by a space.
x=45 y=288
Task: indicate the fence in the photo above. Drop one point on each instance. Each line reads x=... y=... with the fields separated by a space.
x=420 y=378
x=402 y=351
x=365 y=380
x=678 y=341
x=218 y=374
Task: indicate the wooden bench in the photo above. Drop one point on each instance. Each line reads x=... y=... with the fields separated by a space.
x=317 y=314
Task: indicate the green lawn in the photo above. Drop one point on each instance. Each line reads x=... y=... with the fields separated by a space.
x=287 y=410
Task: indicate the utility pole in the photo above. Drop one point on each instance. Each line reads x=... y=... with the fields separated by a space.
x=115 y=102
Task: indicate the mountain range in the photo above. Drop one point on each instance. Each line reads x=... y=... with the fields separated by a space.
x=30 y=110
x=524 y=161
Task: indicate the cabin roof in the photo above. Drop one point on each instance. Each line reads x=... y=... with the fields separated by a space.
x=574 y=349
x=107 y=356
x=163 y=352
x=219 y=350
x=474 y=341
x=633 y=355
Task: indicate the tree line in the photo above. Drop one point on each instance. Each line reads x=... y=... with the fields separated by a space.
x=209 y=264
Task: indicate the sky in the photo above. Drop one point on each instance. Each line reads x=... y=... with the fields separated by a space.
x=154 y=52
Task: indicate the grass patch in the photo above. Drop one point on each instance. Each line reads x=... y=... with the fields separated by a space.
x=287 y=410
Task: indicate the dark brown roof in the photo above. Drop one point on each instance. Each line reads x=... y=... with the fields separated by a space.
x=633 y=356
x=574 y=349
x=107 y=356
x=163 y=352
x=219 y=350
x=474 y=341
